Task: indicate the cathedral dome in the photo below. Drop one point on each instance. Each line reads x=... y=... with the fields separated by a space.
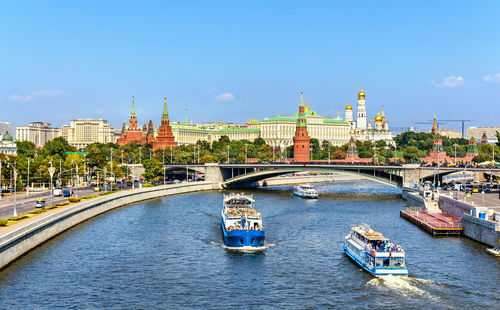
x=348 y=107
x=378 y=118
x=361 y=95
x=7 y=138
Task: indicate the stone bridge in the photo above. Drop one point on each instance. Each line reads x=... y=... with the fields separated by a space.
x=235 y=175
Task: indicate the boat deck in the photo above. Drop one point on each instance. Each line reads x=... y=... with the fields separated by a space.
x=437 y=224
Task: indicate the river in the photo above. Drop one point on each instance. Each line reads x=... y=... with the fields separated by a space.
x=168 y=253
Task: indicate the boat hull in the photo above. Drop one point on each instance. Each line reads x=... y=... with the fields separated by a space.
x=375 y=271
x=242 y=238
x=308 y=196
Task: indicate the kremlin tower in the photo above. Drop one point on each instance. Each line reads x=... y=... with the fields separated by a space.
x=301 y=140
x=165 y=137
x=133 y=132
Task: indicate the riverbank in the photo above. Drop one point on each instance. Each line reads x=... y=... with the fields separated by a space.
x=17 y=239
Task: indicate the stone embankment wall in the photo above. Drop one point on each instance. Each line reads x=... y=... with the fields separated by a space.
x=413 y=200
x=292 y=180
x=454 y=207
x=484 y=231
x=30 y=233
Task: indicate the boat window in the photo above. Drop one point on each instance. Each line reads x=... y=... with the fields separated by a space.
x=387 y=262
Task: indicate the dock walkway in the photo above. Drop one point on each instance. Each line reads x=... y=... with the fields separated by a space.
x=437 y=224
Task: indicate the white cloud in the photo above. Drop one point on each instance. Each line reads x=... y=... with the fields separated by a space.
x=39 y=94
x=225 y=97
x=20 y=98
x=450 y=81
x=492 y=78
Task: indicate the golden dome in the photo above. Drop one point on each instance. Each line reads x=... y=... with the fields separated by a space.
x=361 y=94
x=306 y=108
x=348 y=107
x=378 y=118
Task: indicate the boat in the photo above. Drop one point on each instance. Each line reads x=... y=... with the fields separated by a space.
x=241 y=224
x=305 y=191
x=374 y=252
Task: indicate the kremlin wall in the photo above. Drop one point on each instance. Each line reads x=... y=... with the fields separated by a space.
x=279 y=131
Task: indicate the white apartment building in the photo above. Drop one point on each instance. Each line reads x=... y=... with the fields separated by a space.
x=83 y=132
x=37 y=132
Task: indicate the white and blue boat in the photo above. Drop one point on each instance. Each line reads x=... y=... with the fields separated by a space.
x=305 y=191
x=374 y=252
x=241 y=225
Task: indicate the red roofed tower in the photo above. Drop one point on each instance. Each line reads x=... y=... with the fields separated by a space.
x=150 y=134
x=133 y=132
x=301 y=140
x=165 y=138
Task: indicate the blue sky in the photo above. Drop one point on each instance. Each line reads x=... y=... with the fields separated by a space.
x=235 y=60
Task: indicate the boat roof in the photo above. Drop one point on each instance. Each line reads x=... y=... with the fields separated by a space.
x=369 y=233
x=242 y=196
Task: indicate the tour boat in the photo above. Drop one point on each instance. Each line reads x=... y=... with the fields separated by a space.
x=374 y=252
x=241 y=225
x=305 y=191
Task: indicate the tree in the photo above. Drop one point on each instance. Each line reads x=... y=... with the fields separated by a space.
x=497 y=134
x=259 y=142
x=57 y=146
x=411 y=154
x=25 y=148
x=153 y=169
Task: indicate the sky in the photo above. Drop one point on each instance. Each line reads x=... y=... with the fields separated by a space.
x=232 y=61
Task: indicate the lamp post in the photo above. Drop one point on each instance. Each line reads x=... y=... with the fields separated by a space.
x=328 y=152
x=15 y=190
x=122 y=157
x=140 y=155
x=0 y=180
x=228 y=154
x=171 y=155
x=51 y=172
x=163 y=161
x=455 y=145
x=246 y=152
x=28 y=187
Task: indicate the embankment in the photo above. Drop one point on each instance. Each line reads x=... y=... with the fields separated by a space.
x=18 y=239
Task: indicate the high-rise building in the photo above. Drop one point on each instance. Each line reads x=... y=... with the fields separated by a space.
x=83 y=132
x=37 y=132
x=301 y=140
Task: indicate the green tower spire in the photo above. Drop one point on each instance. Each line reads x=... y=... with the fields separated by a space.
x=132 y=112
x=186 y=116
x=301 y=104
x=165 y=111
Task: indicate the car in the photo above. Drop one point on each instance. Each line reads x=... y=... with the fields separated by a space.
x=40 y=203
x=57 y=192
x=67 y=193
x=97 y=189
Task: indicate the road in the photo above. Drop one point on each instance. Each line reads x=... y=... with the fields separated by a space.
x=491 y=200
x=25 y=203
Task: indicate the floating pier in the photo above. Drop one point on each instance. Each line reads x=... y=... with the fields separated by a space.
x=437 y=224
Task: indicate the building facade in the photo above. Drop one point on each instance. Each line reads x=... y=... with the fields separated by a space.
x=478 y=132
x=37 y=132
x=83 y=132
x=7 y=144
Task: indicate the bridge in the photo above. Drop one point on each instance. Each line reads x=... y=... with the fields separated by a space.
x=234 y=175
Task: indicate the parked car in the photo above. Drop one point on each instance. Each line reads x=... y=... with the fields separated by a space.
x=67 y=193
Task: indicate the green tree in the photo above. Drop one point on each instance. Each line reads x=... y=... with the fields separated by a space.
x=153 y=169
x=411 y=154
x=57 y=146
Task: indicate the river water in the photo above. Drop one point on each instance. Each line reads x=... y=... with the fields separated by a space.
x=168 y=253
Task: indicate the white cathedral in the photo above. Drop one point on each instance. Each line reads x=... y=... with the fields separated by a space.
x=362 y=129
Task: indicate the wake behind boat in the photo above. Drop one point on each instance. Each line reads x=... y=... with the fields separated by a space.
x=374 y=252
x=305 y=191
x=241 y=225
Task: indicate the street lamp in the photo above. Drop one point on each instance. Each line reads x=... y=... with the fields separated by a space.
x=171 y=155
x=455 y=145
x=140 y=155
x=328 y=152
x=163 y=165
x=228 y=154
x=246 y=152
x=122 y=157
